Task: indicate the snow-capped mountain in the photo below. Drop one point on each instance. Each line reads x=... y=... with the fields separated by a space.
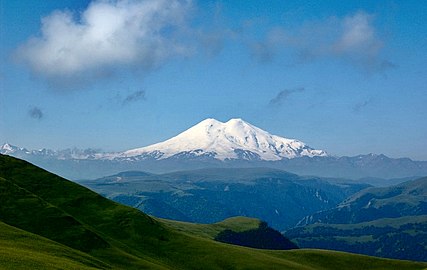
x=235 y=139
x=8 y=149
x=12 y=150
x=214 y=144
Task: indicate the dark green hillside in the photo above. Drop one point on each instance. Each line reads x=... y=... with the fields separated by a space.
x=46 y=219
x=388 y=222
x=98 y=232
x=399 y=238
x=262 y=237
x=242 y=231
x=210 y=231
x=45 y=204
x=406 y=199
x=24 y=250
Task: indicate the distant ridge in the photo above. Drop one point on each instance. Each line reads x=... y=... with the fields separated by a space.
x=214 y=144
x=234 y=139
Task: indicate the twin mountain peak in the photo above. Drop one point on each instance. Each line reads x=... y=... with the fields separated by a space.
x=234 y=139
x=230 y=140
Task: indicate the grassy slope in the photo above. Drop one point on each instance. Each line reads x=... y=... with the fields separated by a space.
x=410 y=192
x=380 y=223
x=24 y=250
x=386 y=222
x=210 y=231
x=406 y=199
x=404 y=237
x=125 y=238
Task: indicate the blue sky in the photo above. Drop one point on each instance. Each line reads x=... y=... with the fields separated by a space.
x=347 y=77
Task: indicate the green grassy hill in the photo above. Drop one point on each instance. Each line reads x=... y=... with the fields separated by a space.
x=210 y=231
x=387 y=222
x=58 y=221
x=401 y=238
x=405 y=199
x=243 y=231
x=24 y=250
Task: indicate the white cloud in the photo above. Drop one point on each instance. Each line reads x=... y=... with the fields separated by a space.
x=358 y=35
x=352 y=38
x=105 y=36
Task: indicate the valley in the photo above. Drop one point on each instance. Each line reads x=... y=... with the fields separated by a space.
x=105 y=234
x=211 y=195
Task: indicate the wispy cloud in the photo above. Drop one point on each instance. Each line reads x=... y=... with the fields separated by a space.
x=357 y=33
x=133 y=97
x=35 y=113
x=283 y=95
x=211 y=40
x=358 y=107
x=106 y=36
x=265 y=51
x=352 y=38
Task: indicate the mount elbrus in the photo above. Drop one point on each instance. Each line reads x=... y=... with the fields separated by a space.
x=212 y=143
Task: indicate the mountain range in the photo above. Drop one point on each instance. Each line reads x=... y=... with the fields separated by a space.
x=405 y=199
x=235 y=139
x=211 y=195
x=47 y=222
x=213 y=144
